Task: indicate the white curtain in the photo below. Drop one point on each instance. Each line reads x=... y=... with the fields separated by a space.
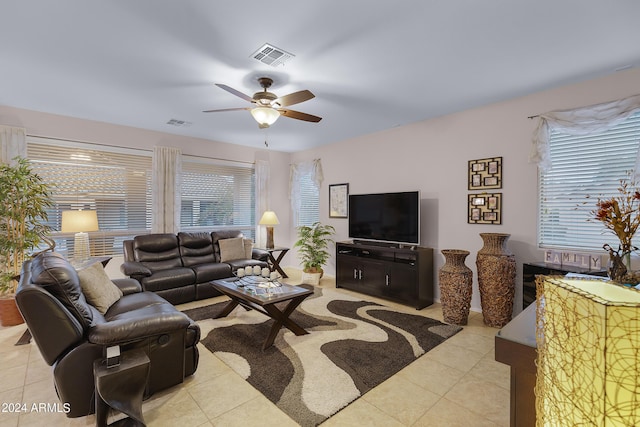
x=262 y=198
x=165 y=186
x=296 y=172
x=580 y=121
x=12 y=143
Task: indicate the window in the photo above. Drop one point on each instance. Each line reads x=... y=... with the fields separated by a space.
x=305 y=180
x=217 y=196
x=116 y=182
x=582 y=166
x=309 y=211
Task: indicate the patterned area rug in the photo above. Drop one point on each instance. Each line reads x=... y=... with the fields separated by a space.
x=352 y=346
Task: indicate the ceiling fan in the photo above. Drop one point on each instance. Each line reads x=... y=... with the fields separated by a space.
x=268 y=107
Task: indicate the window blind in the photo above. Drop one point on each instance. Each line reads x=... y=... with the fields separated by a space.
x=217 y=196
x=116 y=182
x=583 y=169
x=309 y=211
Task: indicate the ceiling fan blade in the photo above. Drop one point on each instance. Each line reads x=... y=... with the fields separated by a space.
x=235 y=92
x=226 y=109
x=294 y=98
x=300 y=116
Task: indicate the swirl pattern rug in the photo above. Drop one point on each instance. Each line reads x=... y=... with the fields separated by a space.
x=352 y=346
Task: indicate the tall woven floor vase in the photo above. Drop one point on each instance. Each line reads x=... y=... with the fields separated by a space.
x=496 y=267
x=456 y=286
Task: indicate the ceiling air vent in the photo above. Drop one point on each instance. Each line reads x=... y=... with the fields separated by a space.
x=271 y=55
x=178 y=123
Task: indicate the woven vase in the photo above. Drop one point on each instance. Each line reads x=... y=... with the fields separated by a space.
x=496 y=267
x=456 y=281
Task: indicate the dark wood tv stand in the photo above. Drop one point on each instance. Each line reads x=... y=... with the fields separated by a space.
x=399 y=273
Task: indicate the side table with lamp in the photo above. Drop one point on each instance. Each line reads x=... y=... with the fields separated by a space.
x=269 y=219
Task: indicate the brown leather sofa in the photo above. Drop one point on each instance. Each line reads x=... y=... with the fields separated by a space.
x=71 y=333
x=180 y=267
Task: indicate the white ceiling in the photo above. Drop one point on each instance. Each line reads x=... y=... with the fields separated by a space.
x=372 y=65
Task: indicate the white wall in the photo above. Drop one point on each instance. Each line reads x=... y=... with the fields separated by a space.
x=432 y=156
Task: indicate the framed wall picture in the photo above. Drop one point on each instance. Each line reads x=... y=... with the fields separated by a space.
x=485 y=174
x=485 y=208
x=338 y=200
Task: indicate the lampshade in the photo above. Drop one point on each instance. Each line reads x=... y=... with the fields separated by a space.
x=588 y=342
x=265 y=116
x=269 y=218
x=75 y=221
x=80 y=222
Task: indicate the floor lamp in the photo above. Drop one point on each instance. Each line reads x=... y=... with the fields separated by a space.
x=80 y=222
x=269 y=219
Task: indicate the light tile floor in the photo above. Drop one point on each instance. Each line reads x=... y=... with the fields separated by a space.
x=456 y=384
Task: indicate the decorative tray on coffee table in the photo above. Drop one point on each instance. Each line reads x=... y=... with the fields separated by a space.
x=263 y=279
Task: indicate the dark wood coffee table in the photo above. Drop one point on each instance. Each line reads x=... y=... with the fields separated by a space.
x=264 y=300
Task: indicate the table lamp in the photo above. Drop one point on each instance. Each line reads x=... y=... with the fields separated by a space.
x=588 y=342
x=269 y=219
x=80 y=222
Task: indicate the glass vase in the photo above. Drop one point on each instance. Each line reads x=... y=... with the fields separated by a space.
x=616 y=270
x=627 y=261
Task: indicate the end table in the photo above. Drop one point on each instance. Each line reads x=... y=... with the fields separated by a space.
x=274 y=263
x=121 y=387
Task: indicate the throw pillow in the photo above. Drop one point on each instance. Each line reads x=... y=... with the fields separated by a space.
x=248 y=248
x=231 y=249
x=98 y=289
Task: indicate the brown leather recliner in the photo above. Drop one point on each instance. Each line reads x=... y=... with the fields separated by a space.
x=180 y=267
x=71 y=334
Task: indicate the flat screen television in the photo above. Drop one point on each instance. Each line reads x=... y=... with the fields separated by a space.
x=385 y=217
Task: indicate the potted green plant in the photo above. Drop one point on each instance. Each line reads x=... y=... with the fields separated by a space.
x=25 y=198
x=313 y=249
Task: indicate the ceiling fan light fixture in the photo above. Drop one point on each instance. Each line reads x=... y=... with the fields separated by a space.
x=265 y=116
x=268 y=106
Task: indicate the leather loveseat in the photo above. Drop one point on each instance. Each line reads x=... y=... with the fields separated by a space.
x=71 y=333
x=180 y=267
